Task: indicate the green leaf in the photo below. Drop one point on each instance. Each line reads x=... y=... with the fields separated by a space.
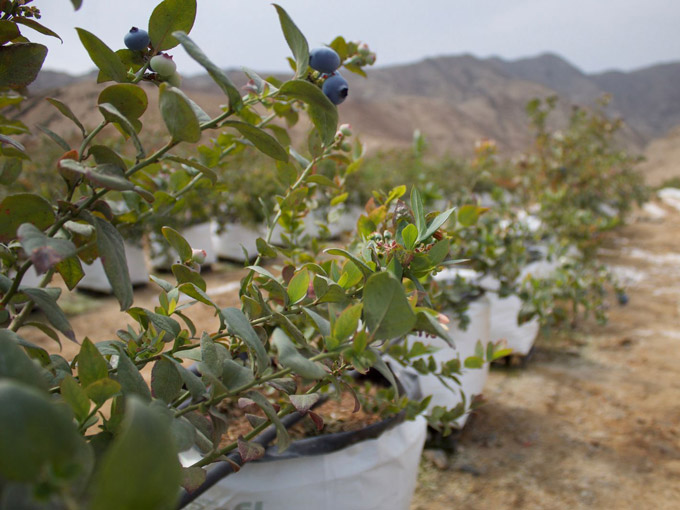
x=418 y=211
x=363 y=267
x=8 y=30
x=348 y=322
x=178 y=115
x=168 y=17
x=45 y=252
x=410 y=236
x=217 y=74
x=26 y=450
x=31 y=23
x=193 y=383
x=55 y=137
x=207 y=172
x=108 y=176
x=387 y=312
x=179 y=244
x=111 y=114
x=91 y=364
x=166 y=381
x=75 y=397
x=437 y=222
x=66 y=112
x=322 y=324
x=71 y=271
x=194 y=291
x=102 y=390
x=141 y=468
x=20 y=64
x=23 y=208
x=239 y=326
x=235 y=375
x=469 y=214
x=130 y=100
x=282 y=437
x=48 y=304
x=15 y=363
x=474 y=362
x=380 y=365
x=322 y=112
x=111 y=249
x=265 y=142
x=289 y=357
x=131 y=381
x=296 y=42
x=164 y=323
x=185 y=274
x=13 y=143
x=10 y=169
x=104 y=155
x=298 y=285
x=103 y=57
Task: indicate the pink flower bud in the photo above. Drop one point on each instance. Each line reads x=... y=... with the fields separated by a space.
x=198 y=256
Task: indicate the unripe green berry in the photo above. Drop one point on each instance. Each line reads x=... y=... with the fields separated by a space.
x=163 y=65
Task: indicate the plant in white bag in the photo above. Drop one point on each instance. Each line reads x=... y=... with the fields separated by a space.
x=92 y=432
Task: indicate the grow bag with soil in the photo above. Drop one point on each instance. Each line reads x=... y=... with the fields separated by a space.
x=95 y=278
x=374 y=468
x=472 y=380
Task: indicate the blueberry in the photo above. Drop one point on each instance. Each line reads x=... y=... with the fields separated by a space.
x=336 y=89
x=623 y=298
x=324 y=60
x=163 y=65
x=137 y=39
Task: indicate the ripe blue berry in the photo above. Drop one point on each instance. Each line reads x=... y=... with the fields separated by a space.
x=324 y=60
x=163 y=65
x=623 y=298
x=136 y=39
x=336 y=89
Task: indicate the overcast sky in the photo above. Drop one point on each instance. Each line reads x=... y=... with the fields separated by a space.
x=594 y=35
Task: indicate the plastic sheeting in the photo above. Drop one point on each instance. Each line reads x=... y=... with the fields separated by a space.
x=374 y=474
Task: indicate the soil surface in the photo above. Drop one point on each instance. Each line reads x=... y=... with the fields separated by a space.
x=593 y=421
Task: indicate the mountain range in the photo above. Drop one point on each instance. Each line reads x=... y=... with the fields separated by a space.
x=453 y=100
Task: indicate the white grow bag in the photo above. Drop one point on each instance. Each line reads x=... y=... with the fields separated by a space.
x=95 y=277
x=230 y=239
x=198 y=236
x=373 y=474
x=472 y=380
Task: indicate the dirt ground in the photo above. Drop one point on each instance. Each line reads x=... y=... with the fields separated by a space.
x=594 y=420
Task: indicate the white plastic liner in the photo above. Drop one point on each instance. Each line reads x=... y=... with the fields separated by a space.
x=504 y=326
x=198 y=236
x=229 y=240
x=95 y=278
x=472 y=381
x=671 y=197
x=375 y=474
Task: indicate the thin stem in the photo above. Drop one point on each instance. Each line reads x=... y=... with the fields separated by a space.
x=88 y=139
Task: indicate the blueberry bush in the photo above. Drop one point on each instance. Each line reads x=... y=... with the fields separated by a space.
x=91 y=432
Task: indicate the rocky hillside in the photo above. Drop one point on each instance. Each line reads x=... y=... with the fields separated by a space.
x=453 y=100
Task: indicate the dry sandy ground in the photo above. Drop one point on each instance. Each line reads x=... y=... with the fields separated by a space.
x=594 y=420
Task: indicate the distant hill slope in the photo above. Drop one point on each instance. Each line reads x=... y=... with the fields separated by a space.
x=453 y=100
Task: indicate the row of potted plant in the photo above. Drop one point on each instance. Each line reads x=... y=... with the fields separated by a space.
x=413 y=296
x=92 y=432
